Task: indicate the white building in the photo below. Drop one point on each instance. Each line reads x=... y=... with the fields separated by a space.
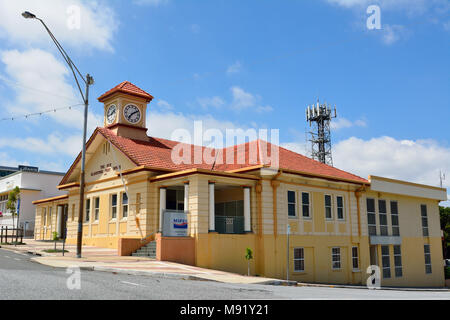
x=34 y=185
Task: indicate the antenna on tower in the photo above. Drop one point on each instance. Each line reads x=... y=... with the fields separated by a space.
x=441 y=177
x=319 y=117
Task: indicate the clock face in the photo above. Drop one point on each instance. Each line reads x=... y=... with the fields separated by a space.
x=132 y=113
x=111 y=114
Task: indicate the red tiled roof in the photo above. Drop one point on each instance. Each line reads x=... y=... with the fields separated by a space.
x=157 y=153
x=129 y=88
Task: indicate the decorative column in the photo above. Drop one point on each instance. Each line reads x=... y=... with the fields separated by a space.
x=247 y=224
x=186 y=196
x=162 y=207
x=212 y=215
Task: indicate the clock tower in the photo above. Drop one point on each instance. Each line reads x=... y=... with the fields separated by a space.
x=125 y=110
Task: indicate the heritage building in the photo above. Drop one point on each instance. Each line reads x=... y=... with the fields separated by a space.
x=339 y=223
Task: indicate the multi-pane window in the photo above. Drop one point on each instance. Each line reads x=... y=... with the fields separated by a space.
x=114 y=206
x=49 y=220
x=336 y=258
x=398 y=261
x=88 y=210
x=355 y=258
x=394 y=218
x=299 y=259
x=291 y=204
x=96 y=208
x=124 y=205
x=371 y=217
x=382 y=211
x=328 y=207
x=427 y=252
x=44 y=215
x=305 y=205
x=340 y=207
x=423 y=211
x=386 y=263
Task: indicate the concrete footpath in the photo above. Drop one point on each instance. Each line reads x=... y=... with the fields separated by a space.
x=103 y=259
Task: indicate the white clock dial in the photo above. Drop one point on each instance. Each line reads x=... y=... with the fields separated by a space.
x=111 y=114
x=132 y=113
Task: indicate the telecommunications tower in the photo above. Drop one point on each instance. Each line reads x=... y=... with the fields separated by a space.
x=319 y=117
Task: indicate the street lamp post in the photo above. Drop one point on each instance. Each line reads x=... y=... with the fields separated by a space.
x=88 y=82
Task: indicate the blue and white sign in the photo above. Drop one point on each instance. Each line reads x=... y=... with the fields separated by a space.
x=175 y=224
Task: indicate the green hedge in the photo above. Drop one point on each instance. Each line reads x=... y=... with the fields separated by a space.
x=447 y=272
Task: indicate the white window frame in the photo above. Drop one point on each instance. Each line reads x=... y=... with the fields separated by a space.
x=338 y=254
x=96 y=209
x=374 y=213
x=330 y=206
x=388 y=267
x=386 y=226
x=87 y=210
x=425 y=255
x=425 y=228
x=343 y=208
x=295 y=204
x=398 y=266
x=124 y=205
x=355 y=258
x=309 y=205
x=397 y=226
x=114 y=206
x=300 y=259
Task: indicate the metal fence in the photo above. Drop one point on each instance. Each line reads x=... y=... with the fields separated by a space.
x=11 y=234
x=230 y=225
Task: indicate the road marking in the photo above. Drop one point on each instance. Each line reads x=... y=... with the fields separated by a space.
x=17 y=259
x=131 y=283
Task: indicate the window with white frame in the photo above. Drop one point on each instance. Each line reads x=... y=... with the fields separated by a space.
x=355 y=258
x=292 y=207
x=88 y=210
x=113 y=206
x=423 y=212
x=386 y=262
x=306 y=205
x=394 y=219
x=427 y=252
x=340 y=207
x=124 y=205
x=371 y=217
x=398 y=261
x=336 y=258
x=96 y=208
x=382 y=214
x=328 y=207
x=299 y=259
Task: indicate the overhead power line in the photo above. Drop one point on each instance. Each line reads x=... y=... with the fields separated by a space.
x=40 y=113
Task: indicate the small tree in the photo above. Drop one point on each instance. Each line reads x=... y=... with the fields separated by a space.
x=55 y=238
x=12 y=202
x=248 y=257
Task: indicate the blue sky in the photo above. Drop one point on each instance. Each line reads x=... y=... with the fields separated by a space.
x=242 y=64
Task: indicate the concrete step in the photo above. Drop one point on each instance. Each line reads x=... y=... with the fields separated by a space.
x=136 y=254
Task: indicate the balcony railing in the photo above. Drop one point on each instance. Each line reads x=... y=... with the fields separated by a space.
x=230 y=225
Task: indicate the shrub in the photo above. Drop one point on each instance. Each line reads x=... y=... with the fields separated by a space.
x=447 y=272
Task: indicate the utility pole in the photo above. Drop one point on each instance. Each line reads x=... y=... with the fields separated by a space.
x=88 y=82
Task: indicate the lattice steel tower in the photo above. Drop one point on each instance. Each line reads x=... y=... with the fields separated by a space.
x=319 y=117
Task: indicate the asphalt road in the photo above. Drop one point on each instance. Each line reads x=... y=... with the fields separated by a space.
x=21 y=278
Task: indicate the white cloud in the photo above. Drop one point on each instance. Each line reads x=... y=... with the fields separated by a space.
x=54 y=144
x=244 y=100
x=393 y=33
x=42 y=83
x=98 y=23
x=215 y=102
x=415 y=161
x=164 y=105
x=341 y=123
x=234 y=68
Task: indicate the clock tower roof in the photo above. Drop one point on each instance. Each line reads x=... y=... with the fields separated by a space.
x=127 y=88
